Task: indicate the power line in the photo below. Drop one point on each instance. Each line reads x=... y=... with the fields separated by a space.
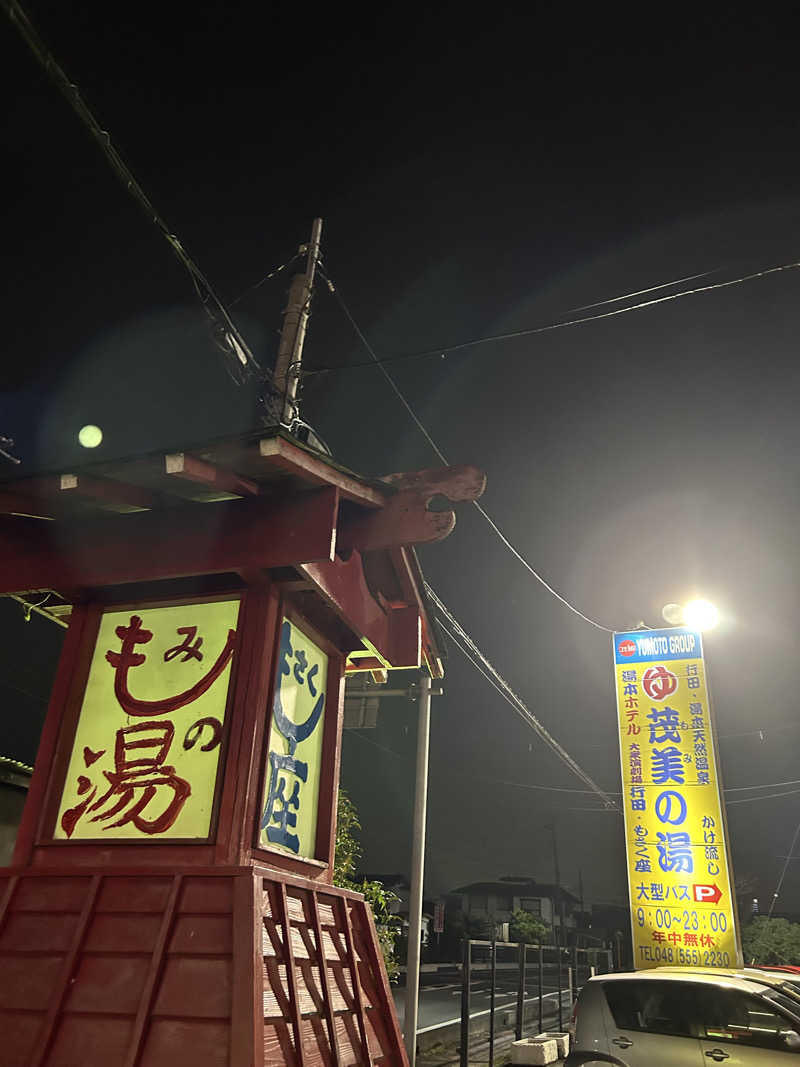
x=562 y=789
x=642 y=292
x=765 y=785
x=396 y=389
x=789 y=857
x=442 y=350
x=227 y=336
x=360 y=334
x=536 y=574
x=257 y=285
x=766 y=796
x=480 y=661
x=763 y=732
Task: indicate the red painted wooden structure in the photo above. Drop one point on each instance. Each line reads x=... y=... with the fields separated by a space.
x=214 y=951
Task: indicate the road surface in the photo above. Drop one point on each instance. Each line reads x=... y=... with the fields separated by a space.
x=441 y=1004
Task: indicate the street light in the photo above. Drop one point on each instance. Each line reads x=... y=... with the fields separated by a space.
x=700 y=615
x=90 y=436
x=697 y=614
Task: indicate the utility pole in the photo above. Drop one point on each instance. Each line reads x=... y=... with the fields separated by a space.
x=423 y=692
x=293 y=332
x=417 y=870
x=560 y=935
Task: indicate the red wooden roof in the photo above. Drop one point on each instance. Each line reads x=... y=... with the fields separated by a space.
x=56 y=530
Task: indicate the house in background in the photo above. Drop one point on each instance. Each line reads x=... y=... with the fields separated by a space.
x=497 y=900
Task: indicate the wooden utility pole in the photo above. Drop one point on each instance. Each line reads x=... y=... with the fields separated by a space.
x=293 y=333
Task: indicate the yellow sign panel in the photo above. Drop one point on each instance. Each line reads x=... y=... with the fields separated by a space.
x=682 y=909
x=294 y=761
x=146 y=751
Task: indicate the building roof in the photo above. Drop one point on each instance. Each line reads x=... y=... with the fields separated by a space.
x=45 y=520
x=518 y=888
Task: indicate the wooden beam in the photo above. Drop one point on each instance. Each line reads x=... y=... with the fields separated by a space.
x=56 y=490
x=147 y=997
x=175 y=543
x=395 y=633
x=279 y=454
x=12 y=503
x=456 y=483
x=104 y=491
x=192 y=469
x=405 y=518
x=355 y=978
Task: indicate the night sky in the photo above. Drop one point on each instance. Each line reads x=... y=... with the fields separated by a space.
x=475 y=177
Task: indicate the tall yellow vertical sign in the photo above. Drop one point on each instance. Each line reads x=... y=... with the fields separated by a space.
x=682 y=905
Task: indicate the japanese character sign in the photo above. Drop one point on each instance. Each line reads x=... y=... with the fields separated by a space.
x=674 y=828
x=147 y=745
x=292 y=776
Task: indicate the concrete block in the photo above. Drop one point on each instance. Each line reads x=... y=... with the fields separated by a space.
x=534 y=1050
x=562 y=1040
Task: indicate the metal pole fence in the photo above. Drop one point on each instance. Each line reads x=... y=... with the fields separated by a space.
x=466 y=978
x=541 y=983
x=522 y=953
x=493 y=986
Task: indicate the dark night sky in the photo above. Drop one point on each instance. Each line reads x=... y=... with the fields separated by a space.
x=474 y=178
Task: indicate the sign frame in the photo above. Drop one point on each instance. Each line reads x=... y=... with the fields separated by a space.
x=653 y=651
x=330 y=753
x=45 y=835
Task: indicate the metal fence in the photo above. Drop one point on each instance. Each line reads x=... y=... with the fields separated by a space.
x=510 y=991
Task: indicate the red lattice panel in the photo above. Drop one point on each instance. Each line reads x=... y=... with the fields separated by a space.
x=140 y=970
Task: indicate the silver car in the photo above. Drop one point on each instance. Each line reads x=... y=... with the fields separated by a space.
x=683 y=1018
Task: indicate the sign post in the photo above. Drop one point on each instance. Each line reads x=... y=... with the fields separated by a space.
x=679 y=871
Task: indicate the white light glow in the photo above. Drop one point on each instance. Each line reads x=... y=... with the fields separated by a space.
x=673 y=614
x=90 y=436
x=700 y=615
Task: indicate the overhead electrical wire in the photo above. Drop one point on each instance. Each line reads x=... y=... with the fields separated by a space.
x=272 y=274
x=789 y=858
x=766 y=796
x=470 y=650
x=392 y=383
x=443 y=350
x=642 y=292
x=243 y=364
x=764 y=785
x=396 y=390
x=583 y=792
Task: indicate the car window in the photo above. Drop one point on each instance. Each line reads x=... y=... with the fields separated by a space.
x=728 y=1015
x=788 y=999
x=653 y=1007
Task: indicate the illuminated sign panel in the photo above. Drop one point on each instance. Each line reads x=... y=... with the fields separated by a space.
x=145 y=757
x=294 y=759
x=682 y=911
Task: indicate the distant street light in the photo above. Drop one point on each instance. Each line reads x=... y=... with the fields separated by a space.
x=697 y=614
x=90 y=436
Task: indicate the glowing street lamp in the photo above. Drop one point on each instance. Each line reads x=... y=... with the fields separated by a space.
x=90 y=436
x=697 y=614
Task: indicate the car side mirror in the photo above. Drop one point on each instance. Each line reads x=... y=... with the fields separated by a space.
x=791 y=1039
